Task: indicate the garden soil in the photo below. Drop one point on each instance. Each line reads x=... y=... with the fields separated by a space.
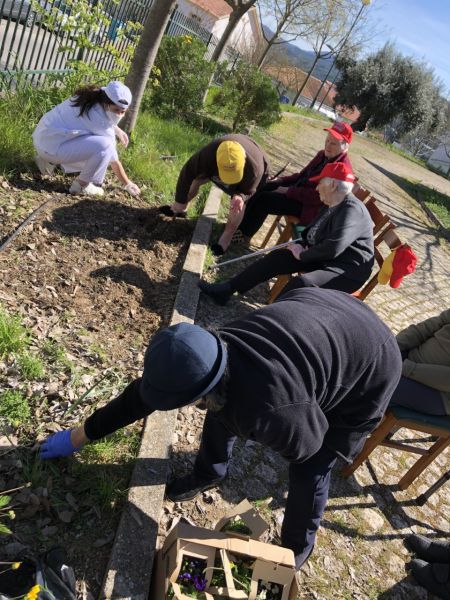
x=94 y=278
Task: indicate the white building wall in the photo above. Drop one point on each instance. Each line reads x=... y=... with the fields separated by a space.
x=245 y=35
x=193 y=11
x=440 y=160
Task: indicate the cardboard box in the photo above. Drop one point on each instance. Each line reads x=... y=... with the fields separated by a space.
x=216 y=550
x=248 y=514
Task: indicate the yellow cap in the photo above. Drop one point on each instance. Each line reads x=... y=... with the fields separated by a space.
x=230 y=158
x=386 y=269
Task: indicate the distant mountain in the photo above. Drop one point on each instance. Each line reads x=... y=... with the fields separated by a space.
x=302 y=59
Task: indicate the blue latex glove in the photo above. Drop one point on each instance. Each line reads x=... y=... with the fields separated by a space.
x=57 y=445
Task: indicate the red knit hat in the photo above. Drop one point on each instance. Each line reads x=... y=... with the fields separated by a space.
x=404 y=263
x=336 y=170
x=341 y=131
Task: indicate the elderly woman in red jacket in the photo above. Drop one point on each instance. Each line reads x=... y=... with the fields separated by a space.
x=295 y=194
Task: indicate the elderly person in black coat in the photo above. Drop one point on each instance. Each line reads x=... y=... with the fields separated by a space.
x=337 y=250
x=309 y=377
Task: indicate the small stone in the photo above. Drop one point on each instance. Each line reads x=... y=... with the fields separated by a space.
x=373 y=519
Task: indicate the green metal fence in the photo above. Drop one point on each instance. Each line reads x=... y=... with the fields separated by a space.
x=30 y=47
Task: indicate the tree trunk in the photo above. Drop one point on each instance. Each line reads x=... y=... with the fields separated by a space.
x=321 y=87
x=263 y=56
x=361 y=123
x=234 y=19
x=297 y=95
x=145 y=55
x=270 y=42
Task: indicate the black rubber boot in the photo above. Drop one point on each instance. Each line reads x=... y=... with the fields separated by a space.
x=433 y=577
x=431 y=551
x=219 y=292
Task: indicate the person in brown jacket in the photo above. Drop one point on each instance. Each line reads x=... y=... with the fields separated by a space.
x=425 y=382
x=296 y=194
x=234 y=162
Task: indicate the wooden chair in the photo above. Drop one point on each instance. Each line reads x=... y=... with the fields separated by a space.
x=396 y=418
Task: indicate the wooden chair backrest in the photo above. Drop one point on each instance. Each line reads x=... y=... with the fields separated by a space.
x=390 y=239
x=379 y=219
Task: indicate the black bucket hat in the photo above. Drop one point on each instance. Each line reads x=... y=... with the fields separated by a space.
x=182 y=363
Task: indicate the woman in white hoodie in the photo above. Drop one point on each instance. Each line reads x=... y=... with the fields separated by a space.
x=80 y=135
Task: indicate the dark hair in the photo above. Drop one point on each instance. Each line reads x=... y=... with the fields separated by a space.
x=86 y=97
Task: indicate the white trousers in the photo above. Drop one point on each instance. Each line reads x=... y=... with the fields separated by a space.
x=89 y=155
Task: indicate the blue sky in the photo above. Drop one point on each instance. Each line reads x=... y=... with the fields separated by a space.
x=420 y=28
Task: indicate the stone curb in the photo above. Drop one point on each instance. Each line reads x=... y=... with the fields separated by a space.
x=130 y=564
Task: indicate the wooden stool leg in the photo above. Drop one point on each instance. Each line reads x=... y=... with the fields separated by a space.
x=278 y=287
x=271 y=230
x=423 y=463
x=372 y=442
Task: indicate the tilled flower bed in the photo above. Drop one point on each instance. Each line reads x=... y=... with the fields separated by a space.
x=90 y=281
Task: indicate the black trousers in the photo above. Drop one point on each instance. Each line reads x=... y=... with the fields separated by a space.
x=309 y=484
x=265 y=203
x=417 y=396
x=283 y=262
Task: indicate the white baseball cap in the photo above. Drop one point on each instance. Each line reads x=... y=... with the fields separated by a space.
x=118 y=93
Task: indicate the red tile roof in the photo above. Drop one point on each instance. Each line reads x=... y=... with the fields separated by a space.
x=217 y=8
x=293 y=78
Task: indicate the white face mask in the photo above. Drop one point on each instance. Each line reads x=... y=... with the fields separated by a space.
x=113 y=117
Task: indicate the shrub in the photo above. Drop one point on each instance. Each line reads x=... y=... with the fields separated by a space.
x=248 y=95
x=183 y=76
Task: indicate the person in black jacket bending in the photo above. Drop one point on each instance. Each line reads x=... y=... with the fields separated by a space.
x=309 y=376
x=337 y=250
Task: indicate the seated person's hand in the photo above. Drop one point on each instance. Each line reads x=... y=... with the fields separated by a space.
x=296 y=250
x=57 y=445
x=237 y=204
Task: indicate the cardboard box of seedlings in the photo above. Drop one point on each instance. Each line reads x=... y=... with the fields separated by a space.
x=227 y=562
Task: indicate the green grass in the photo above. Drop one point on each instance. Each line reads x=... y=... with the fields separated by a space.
x=30 y=366
x=153 y=138
x=414 y=159
x=305 y=112
x=14 y=407
x=438 y=203
x=14 y=337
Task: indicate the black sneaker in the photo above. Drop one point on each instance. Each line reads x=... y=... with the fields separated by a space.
x=432 y=551
x=219 y=292
x=168 y=212
x=188 y=487
x=217 y=250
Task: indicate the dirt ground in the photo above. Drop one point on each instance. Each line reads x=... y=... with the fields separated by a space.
x=359 y=552
x=95 y=279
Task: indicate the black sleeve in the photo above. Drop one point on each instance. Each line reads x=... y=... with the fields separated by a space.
x=346 y=228
x=127 y=408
